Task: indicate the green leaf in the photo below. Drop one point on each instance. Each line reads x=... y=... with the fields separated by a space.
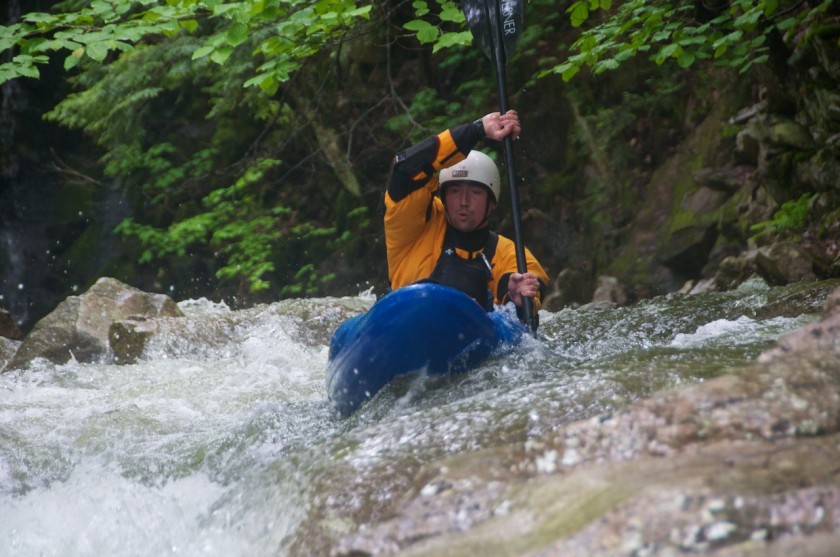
x=237 y=34
x=266 y=82
x=425 y=31
x=579 y=13
x=451 y=12
x=27 y=70
x=686 y=59
x=8 y=36
x=661 y=36
x=462 y=38
x=203 y=51
x=362 y=11
x=73 y=59
x=97 y=51
x=221 y=54
x=222 y=9
x=191 y=25
x=421 y=8
x=604 y=65
x=416 y=25
x=786 y=24
x=761 y=59
x=40 y=17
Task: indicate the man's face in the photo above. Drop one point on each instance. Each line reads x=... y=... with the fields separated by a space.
x=466 y=205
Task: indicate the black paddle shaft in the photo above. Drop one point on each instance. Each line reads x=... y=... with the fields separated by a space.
x=499 y=58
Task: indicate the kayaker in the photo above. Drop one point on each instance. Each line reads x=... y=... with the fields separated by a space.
x=447 y=239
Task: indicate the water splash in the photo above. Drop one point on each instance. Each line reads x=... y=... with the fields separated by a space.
x=231 y=449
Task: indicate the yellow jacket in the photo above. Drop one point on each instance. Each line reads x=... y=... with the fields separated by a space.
x=415 y=219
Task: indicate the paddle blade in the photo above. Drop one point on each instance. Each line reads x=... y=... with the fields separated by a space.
x=489 y=19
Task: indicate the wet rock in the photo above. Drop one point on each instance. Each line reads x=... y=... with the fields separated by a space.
x=702 y=286
x=128 y=339
x=690 y=508
x=832 y=301
x=609 y=289
x=213 y=334
x=687 y=249
x=800 y=299
x=570 y=288
x=439 y=508
x=734 y=270
x=598 y=306
x=779 y=131
x=727 y=179
x=8 y=329
x=132 y=339
x=783 y=263
x=743 y=464
x=823 y=335
x=775 y=134
x=8 y=347
x=747 y=147
x=748 y=113
x=78 y=327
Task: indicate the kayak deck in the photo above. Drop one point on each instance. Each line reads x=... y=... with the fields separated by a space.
x=421 y=327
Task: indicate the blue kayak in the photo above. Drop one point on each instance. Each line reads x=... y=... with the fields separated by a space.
x=423 y=327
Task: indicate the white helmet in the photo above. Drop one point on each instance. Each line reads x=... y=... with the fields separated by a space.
x=478 y=168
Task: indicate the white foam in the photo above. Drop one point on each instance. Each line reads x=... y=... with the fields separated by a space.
x=714 y=330
x=739 y=331
x=96 y=511
x=203 y=307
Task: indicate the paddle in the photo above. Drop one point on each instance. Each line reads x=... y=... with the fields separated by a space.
x=495 y=26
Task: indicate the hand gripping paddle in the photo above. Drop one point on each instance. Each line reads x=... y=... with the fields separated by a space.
x=496 y=26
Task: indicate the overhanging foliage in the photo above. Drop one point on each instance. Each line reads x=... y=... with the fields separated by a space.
x=292 y=31
x=195 y=102
x=735 y=33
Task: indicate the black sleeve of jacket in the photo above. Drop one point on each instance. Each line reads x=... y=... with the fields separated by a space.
x=411 y=169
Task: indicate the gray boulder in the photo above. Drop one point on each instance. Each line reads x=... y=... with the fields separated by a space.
x=783 y=263
x=734 y=270
x=8 y=329
x=570 y=288
x=78 y=327
x=8 y=347
x=608 y=294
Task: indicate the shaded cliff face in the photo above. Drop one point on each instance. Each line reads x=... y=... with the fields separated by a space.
x=754 y=160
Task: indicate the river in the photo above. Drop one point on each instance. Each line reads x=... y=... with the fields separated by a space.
x=233 y=450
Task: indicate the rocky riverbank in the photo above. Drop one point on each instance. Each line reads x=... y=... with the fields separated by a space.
x=741 y=465
x=745 y=464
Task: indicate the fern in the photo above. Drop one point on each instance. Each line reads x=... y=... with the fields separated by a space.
x=790 y=219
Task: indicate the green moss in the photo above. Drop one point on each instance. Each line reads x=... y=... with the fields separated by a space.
x=730 y=130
